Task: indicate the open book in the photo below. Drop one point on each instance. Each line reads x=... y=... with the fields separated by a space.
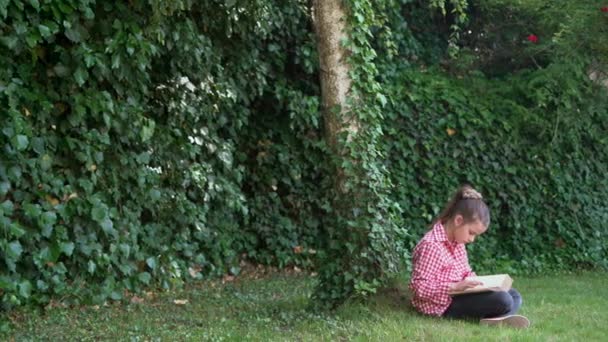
x=497 y=282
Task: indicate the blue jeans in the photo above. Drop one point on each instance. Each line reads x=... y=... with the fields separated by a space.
x=484 y=305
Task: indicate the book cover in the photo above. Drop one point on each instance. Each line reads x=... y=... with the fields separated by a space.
x=496 y=282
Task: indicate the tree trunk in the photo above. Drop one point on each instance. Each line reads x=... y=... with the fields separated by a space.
x=329 y=17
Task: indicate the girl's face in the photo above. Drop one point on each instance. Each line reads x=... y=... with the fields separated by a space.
x=466 y=232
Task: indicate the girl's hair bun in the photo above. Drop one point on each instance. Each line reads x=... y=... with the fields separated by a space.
x=470 y=193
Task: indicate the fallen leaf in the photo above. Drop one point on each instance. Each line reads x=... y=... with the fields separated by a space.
x=297 y=249
x=69 y=197
x=55 y=304
x=180 y=301
x=228 y=278
x=137 y=300
x=54 y=201
x=261 y=155
x=61 y=107
x=194 y=271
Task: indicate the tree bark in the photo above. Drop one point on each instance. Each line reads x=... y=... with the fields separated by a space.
x=329 y=18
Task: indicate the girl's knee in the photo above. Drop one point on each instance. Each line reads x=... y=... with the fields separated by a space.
x=504 y=302
x=517 y=299
x=514 y=293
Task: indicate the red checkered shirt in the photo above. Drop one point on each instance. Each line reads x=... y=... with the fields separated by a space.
x=436 y=262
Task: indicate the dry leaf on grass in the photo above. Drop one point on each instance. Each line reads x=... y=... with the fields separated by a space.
x=180 y=301
x=194 y=271
x=137 y=300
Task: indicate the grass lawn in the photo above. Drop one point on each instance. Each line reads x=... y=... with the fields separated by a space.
x=562 y=308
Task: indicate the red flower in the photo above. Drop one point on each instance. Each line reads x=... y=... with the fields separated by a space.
x=604 y=9
x=533 y=38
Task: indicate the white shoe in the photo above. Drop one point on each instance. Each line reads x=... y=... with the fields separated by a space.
x=514 y=321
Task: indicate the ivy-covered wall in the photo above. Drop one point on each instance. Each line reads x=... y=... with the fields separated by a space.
x=515 y=113
x=150 y=143
x=153 y=142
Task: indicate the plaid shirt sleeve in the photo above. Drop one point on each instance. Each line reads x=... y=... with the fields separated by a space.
x=429 y=287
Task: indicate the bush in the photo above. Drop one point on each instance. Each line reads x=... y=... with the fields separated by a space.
x=151 y=144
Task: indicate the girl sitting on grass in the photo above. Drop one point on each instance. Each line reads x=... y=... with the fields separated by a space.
x=440 y=266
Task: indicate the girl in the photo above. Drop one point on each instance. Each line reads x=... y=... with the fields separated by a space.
x=440 y=266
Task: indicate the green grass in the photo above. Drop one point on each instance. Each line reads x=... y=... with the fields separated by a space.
x=561 y=308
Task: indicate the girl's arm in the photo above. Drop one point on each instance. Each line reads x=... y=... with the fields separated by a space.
x=427 y=282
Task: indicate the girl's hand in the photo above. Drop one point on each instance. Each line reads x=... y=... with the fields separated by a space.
x=463 y=285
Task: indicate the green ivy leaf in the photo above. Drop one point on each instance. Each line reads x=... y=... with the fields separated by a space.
x=38 y=145
x=67 y=248
x=3 y=6
x=46 y=162
x=25 y=289
x=4 y=188
x=144 y=277
x=6 y=283
x=44 y=31
x=54 y=252
x=35 y=4
x=155 y=194
x=382 y=99
x=147 y=130
x=21 y=142
x=107 y=226
x=6 y=208
x=48 y=218
x=73 y=34
x=125 y=249
x=81 y=76
x=14 y=174
x=116 y=61
x=41 y=285
x=91 y=267
x=32 y=211
x=151 y=262
x=16 y=230
x=47 y=230
x=99 y=213
x=14 y=249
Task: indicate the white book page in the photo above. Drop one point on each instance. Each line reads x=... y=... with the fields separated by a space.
x=490 y=281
